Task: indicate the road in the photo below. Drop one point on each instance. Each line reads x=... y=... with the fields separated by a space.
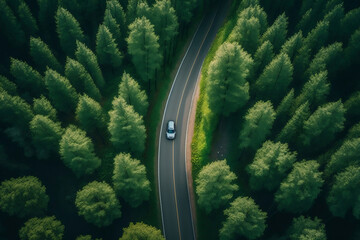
x=177 y=220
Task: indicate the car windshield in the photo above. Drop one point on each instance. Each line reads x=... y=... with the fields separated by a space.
x=171 y=131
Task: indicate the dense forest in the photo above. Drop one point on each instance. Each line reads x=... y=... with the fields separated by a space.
x=280 y=92
x=81 y=88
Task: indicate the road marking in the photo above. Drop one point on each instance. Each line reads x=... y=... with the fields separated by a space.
x=176 y=206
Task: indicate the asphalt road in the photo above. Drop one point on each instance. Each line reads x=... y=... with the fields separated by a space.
x=173 y=188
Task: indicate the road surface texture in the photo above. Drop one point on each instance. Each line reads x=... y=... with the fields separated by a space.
x=172 y=177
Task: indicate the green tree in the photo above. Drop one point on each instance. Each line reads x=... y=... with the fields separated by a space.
x=80 y=79
x=8 y=86
x=283 y=109
x=334 y=18
x=227 y=88
x=141 y=230
x=305 y=23
x=42 y=55
x=271 y=164
x=307 y=228
x=47 y=10
x=243 y=218
x=143 y=10
x=317 y=37
x=352 y=105
x=97 y=203
x=258 y=123
x=89 y=114
x=69 y=31
x=48 y=228
x=62 y=94
x=300 y=188
x=293 y=45
x=77 y=152
x=46 y=135
x=184 y=9
x=88 y=59
x=274 y=81
x=129 y=180
x=27 y=20
x=131 y=13
x=126 y=128
x=23 y=197
x=131 y=92
x=350 y=22
x=215 y=185
x=262 y=57
x=118 y=13
x=10 y=27
x=143 y=47
x=106 y=48
x=277 y=32
x=352 y=50
x=42 y=106
x=254 y=10
x=113 y=27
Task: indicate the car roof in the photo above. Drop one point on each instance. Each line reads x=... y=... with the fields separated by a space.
x=171 y=124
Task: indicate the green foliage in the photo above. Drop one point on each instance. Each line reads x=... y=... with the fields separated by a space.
x=97 y=203
x=248 y=3
x=113 y=27
x=46 y=135
x=344 y=193
x=283 y=109
x=131 y=13
x=334 y=18
x=306 y=22
x=77 y=152
x=274 y=81
x=277 y=32
x=106 y=48
x=228 y=89
x=126 y=128
x=352 y=105
x=318 y=36
x=352 y=51
x=10 y=26
x=118 y=13
x=215 y=185
x=350 y=22
x=301 y=187
x=47 y=10
x=69 y=31
x=80 y=79
x=262 y=57
x=42 y=106
x=293 y=45
x=129 y=180
x=48 y=228
x=27 y=20
x=89 y=114
x=243 y=218
x=88 y=59
x=62 y=94
x=23 y=197
x=87 y=237
x=258 y=12
x=8 y=86
x=184 y=10
x=131 y=92
x=258 y=123
x=271 y=164
x=141 y=230
x=42 y=55
x=143 y=10
x=307 y=228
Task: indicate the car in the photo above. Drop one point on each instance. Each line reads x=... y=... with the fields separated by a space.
x=170 y=130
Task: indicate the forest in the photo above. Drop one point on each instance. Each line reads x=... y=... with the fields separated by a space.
x=276 y=150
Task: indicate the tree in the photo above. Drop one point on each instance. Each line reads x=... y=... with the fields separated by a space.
x=106 y=48
x=23 y=197
x=8 y=86
x=89 y=114
x=47 y=10
x=87 y=237
x=126 y=128
x=274 y=81
x=318 y=37
x=352 y=50
x=80 y=79
x=27 y=20
x=293 y=45
x=88 y=59
x=113 y=27
x=255 y=10
x=77 y=152
x=48 y=228
x=143 y=10
x=263 y=56
x=10 y=27
x=258 y=123
x=62 y=94
x=334 y=18
x=69 y=31
x=42 y=106
x=277 y=32
x=283 y=109
x=352 y=105
x=271 y=164
x=129 y=179
x=215 y=185
x=117 y=12
x=46 y=135
x=350 y=22
x=184 y=10
x=344 y=193
x=97 y=203
x=306 y=22
x=307 y=228
x=143 y=47
x=141 y=230
x=300 y=188
x=243 y=218
x=227 y=88
x=323 y=124
x=131 y=13
x=130 y=91
x=42 y=55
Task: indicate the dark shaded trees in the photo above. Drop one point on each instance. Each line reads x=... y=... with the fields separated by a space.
x=42 y=106
x=277 y=32
x=307 y=228
x=90 y=115
x=262 y=57
x=27 y=20
x=141 y=230
x=42 y=228
x=10 y=27
x=42 y=55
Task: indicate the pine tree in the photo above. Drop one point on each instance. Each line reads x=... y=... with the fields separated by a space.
x=263 y=56
x=143 y=10
x=248 y=3
x=106 y=48
x=10 y=27
x=113 y=27
x=257 y=125
x=77 y=152
x=141 y=231
x=63 y=96
x=277 y=32
x=130 y=91
x=334 y=18
x=258 y=12
x=131 y=11
x=293 y=45
x=42 y=55
x=27 y=20
x=69 y=31
x=184 y=10
x=129 y=180
x=306 y=22
x=118 y=13
x=88 y=59
x=352 y=105
x=350 y=23
x=283 y=109
x=227 y=88
x=352 y=50
x=37 y=228
x=8 y=86
x=318 y=36
x=307 y=228
x=42 y=106
x=47 y=11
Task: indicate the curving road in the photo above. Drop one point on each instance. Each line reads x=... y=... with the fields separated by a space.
x=172 y=178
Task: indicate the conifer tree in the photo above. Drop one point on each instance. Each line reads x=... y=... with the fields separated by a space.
x=248 y=3
x=352 y=105
x=62 y=94
x=42 y=228
x=334 y=18
x=228 y=89
x=130 y=91
x=184 y=10
x=263 y=56
x=283 y=109
x=254 y=10
x=307 y=228
x=77 y=152
x=352 y=50
x=317 y=37
x=350 y=23
x=118 y=13
x=292 y=46
x=10 y=27
x=305 y=23
x=129 y=180
x=42 y=106
x=277 y=32
x=113 y=27
x=8 y=86
x=143 y=10
x=106 y=48
x=131 y=13
x=27 y=20
x=141 y=231
x=47 y=10
x=42 y=55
